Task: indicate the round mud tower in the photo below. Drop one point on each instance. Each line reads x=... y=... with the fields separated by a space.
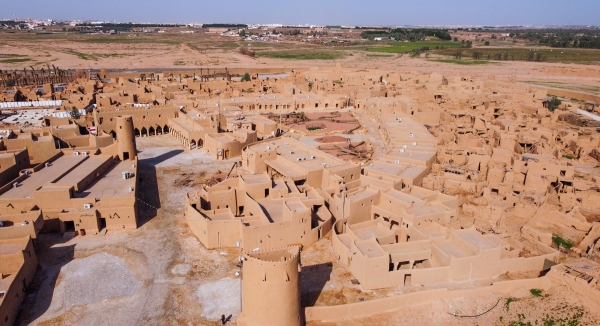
x=125 y=138
x=271 y=288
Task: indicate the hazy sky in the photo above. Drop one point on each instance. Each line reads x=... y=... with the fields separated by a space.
x=320 y=12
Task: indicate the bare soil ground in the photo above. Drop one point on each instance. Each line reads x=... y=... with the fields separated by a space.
x=331 y=139
x=351 y=152
x=558 y=306
x=197 y=50
x=318 y=123
x=155 y=275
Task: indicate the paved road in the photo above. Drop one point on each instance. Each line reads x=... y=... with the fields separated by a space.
x=589 y=115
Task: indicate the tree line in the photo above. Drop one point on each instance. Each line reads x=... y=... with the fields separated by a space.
x=123 y=27
x=238 y=26
x=562 y=38
x=506 y=56
x=412 y=35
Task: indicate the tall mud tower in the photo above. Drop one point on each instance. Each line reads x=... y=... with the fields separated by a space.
x=125 y=138
x=271 y=288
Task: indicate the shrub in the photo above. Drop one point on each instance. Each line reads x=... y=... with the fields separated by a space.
x=536 y=292
x=10 y=83
x=559 y=241
x=75 y=113
x=246 y=77
x=554 y=103
x=248 y=52
x=507 y=303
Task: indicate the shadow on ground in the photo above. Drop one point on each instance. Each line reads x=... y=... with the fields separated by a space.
x=148 y=195
x=51 y=258
x=313 y=280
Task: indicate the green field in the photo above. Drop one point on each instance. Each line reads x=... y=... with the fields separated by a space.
x=15 y=60
x=155 y=39
x=522 y=54
x=404 y=47
x=464 y=62
x=81 y=55
x=301 y=55
x=99 y=39
x=383 y=55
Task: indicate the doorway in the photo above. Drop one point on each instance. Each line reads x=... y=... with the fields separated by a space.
x=125 y=156
x=407 y=280
x=69 y=226
x=102 y=223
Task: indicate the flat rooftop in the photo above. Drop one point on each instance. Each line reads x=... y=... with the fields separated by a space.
x=451 y=248
x=405 y=198
x=370 y=248
x=367 y=232
x=475 y=238
x=387 y=167
x=432 y=231
x=361 y=194
x=426 y=210
x=413 y=172
x=404 y=248
x=273 y=209
x=295 y=205
x=222 y=216
x=83 y=170
x=44 y=176
x=255 y=178
x=184 y=123
x=111 y=184
x=222 y=138
x=410 y=155
x=11 y=246
x=287 y=169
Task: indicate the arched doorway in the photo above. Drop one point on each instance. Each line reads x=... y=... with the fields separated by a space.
x=144 y=132
x=136 y=132
x=200 y=143
x=166 y=129
x=113 y=134
x=192 y=144
x=151 y=131
x=159 y=130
